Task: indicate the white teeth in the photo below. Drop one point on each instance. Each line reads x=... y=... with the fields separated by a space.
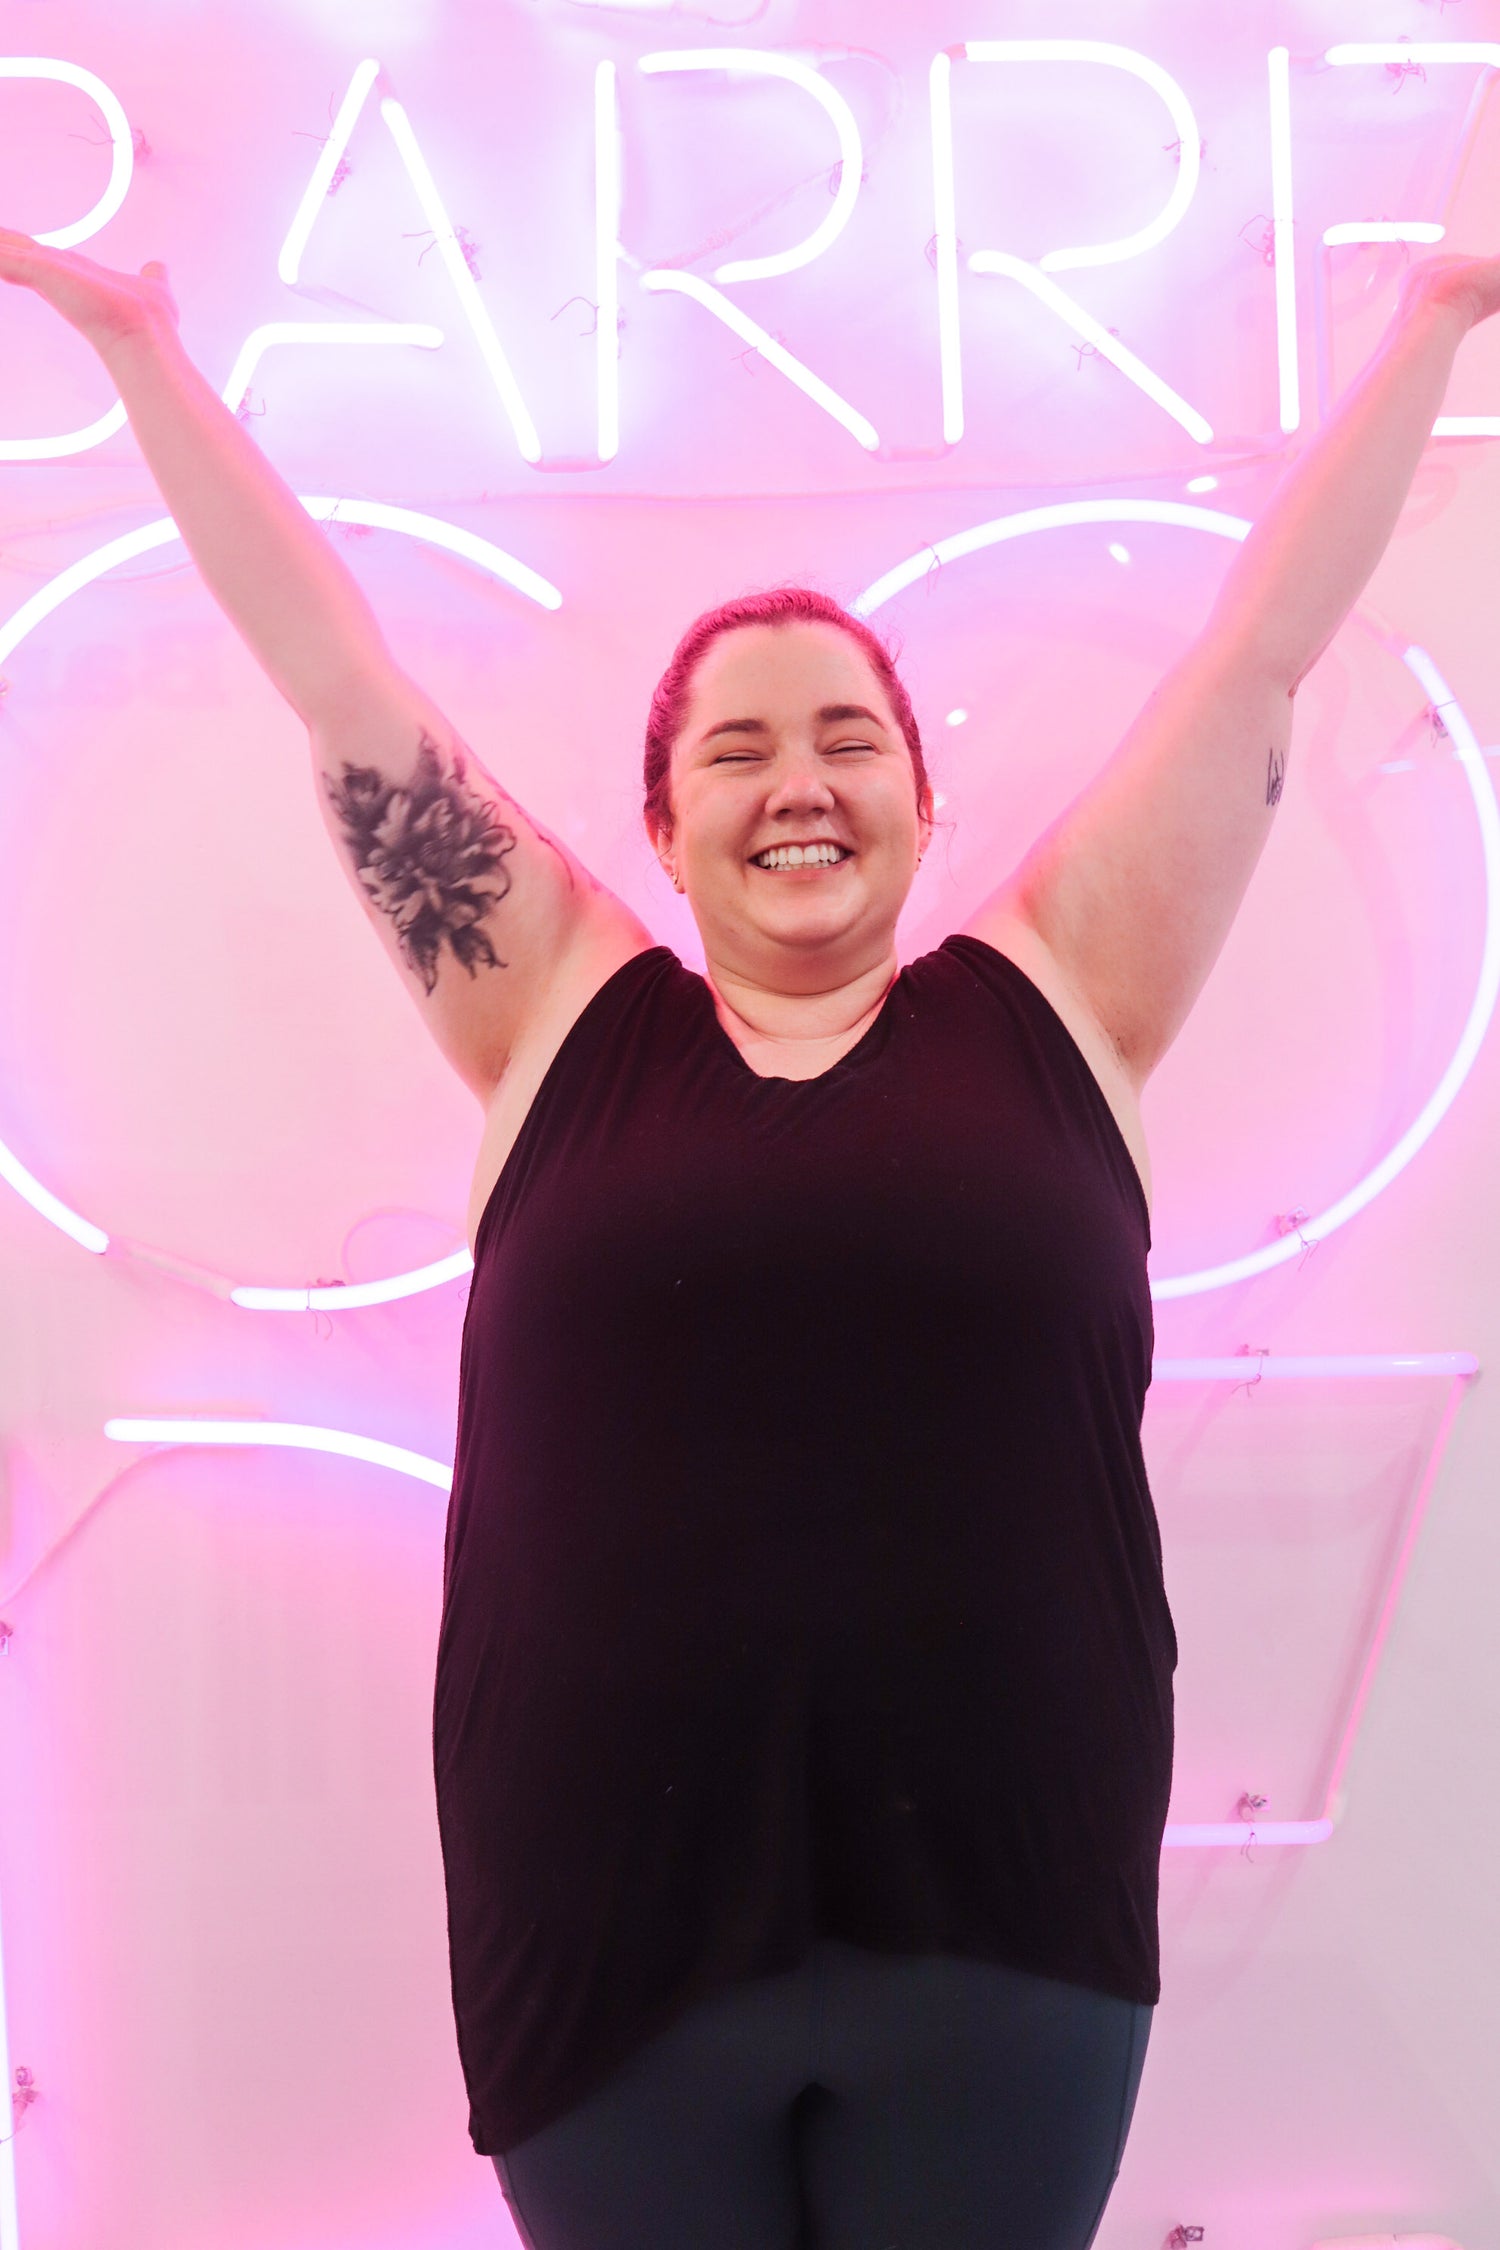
x=800 y=855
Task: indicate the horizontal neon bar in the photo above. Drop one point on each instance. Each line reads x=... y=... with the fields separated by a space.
x=341 y=1298
x=1203 y=1835
x=307 y=1437
x=1384 y=230
x=1278 y=1367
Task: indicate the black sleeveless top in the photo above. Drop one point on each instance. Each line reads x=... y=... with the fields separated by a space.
x=801 y=1575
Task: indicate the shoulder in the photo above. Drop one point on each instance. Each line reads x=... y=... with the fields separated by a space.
x=581 y=981
x=1008 y=934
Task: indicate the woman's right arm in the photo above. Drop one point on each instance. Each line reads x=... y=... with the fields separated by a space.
x=492 y=922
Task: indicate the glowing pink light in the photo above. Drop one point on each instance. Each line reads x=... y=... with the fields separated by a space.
x=1035 y=277
x=274 y=332
x=751 y=62
x=1094 y=332
x=378 y=514
x=320 y=186
x=750 y=332
x=1487 y=816
x=121 y=168
x=607 y=258
x=1460 y=1368
x=116 y=124
x=10 y=2233
x=305 y=1437
x=1179 y=109
x=1383 y=230
x=450 y=251
x=945 y=246
x=1421 y=52
x=1283 y=249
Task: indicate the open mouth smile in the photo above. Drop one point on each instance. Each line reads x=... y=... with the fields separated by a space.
x=782 y=857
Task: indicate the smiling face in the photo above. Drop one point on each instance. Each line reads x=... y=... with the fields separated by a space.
x=796 y=827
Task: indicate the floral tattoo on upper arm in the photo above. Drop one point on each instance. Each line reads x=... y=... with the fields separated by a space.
x=430 y=855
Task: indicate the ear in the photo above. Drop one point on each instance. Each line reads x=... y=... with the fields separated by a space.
x=660 y=833
x=926 y=817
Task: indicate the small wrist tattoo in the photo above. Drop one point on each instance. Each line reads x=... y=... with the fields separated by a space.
x=1275 y=776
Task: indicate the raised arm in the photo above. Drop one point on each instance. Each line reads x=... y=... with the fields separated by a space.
x=483 y=912
x=1132 y=891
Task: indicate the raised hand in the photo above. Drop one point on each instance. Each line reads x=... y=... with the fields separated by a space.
x=101 y=304
x=1470 y=285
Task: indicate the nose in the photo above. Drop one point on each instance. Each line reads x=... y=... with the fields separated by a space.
x=800 y=786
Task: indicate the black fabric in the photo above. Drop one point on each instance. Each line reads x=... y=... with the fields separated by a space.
x=801 y=1578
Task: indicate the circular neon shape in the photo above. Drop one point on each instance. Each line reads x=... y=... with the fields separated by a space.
x=82 y=573
x=1486 y=810
x=116 y=124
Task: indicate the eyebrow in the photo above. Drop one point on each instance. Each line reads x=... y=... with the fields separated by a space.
x=829 y=715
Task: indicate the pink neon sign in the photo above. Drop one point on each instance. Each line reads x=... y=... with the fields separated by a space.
x=620 y=111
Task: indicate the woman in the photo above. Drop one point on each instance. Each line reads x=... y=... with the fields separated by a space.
x=803 y=1715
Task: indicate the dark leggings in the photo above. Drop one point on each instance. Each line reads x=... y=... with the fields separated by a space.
x=862 y=2101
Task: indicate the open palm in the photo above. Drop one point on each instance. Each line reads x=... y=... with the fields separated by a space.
x=101 y=304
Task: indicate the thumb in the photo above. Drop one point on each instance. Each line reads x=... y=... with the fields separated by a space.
x=153 y=266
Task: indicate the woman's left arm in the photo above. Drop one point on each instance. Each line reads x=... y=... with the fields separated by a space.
x=1132 y=891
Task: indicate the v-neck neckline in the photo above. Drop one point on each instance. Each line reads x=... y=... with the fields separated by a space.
x=774 y=1078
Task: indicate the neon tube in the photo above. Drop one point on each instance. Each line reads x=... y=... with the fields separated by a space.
x=289 y=258
x=10 y=2232
x=529 y=443
x=305 y=1436
x=751 y=62
x=358 y=1293
x=1384 y=230
x=1094 y=332
x=1449 y=50
x=70 y=441
x=1283 y=240
x=121 y=168
x=116 y=124
x=1178 y=107
x=14 y=629
x=1190 y=1835
x=750 y=332
x=1180 y=1835
x=945 y=246
x=1056 y=517
x=1459 y=1367
x=1485 y=52
x=274 y=332
x=607 y=258
x=1461 y=1062
x=1292 y=1367
x=1487 y=818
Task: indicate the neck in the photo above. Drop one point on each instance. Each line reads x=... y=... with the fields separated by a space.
x=777 y=1018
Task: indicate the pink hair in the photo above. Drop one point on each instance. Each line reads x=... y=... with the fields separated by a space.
x=782 y=605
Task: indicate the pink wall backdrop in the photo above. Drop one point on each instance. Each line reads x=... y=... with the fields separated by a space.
x=220 y=1898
